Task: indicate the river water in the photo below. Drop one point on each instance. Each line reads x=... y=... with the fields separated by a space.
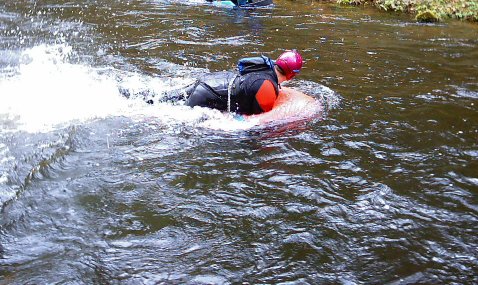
x=380 y=187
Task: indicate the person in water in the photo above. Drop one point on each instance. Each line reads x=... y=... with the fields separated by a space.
x=247 y=3
x=252 y=3
x=253 y=90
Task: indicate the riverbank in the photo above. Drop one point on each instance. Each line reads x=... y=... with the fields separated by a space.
x=426 y=10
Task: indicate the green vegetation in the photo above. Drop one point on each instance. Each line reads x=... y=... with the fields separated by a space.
x=426 y=10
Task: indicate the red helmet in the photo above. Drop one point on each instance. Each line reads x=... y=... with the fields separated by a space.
x=290 y=62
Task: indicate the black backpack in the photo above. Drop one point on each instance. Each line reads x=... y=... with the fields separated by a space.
x=255 y=64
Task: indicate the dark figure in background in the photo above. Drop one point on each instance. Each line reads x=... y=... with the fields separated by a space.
x=247 y=3
x=253 y=91
x=252 y=3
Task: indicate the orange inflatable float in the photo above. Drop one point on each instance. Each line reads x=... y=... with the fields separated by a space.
x=291 y=104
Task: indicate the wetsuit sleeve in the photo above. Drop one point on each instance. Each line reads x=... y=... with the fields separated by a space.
x=265 y=94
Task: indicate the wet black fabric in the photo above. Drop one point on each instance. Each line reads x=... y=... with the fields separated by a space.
x=243 y=93
x=252 y=3
x=211 y=91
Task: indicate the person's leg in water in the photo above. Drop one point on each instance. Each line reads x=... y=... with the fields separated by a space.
x=209 y=90
x=151 y=97
x=203 y=96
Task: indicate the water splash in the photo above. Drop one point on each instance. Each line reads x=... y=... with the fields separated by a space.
x=47 y=91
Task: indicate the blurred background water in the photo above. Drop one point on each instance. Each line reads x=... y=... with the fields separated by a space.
x=97 y=188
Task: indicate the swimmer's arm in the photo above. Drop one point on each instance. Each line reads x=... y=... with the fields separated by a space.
x=264 y=94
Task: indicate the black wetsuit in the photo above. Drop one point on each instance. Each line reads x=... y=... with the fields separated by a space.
x=247 y=92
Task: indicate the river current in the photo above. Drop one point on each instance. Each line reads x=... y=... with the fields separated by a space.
x=380 y=187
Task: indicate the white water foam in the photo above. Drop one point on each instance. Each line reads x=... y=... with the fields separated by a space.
x=48 y=92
